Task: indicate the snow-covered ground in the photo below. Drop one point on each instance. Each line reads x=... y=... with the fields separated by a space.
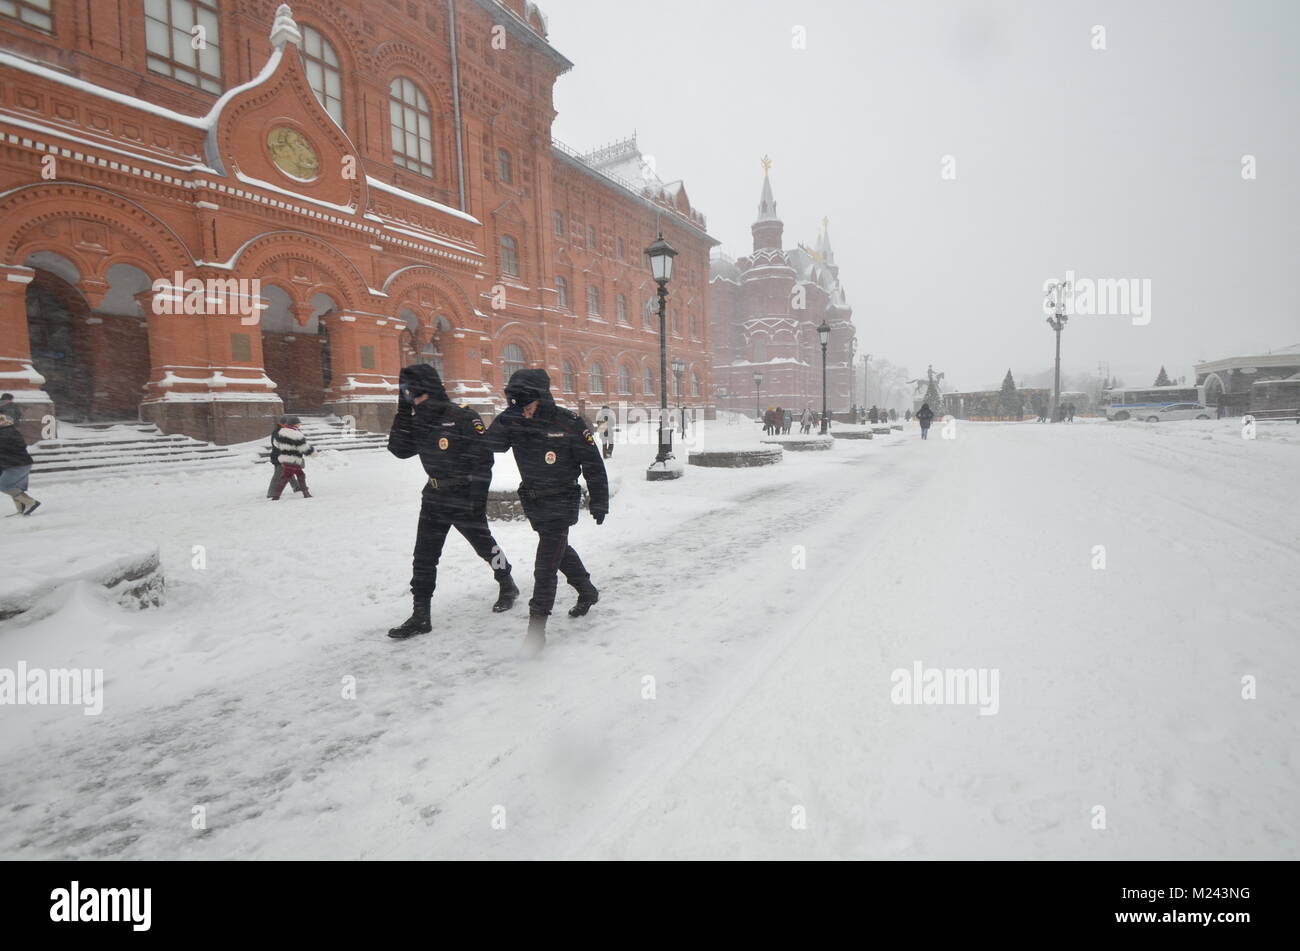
x=730 y=695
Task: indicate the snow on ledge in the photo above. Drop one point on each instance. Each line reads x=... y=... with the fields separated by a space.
x=420 y=200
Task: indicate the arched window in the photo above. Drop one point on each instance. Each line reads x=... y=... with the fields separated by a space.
x=570 y=381
x=321 y=62
x=504 y=170
x=677 y=329
x=412 y=127
x=559 y=224
x=562 y=292
x=593 y=300
x=649 y=382
x=169 y=37
x=591 y=236
x=621 y=304
x=624 y=379
x=512 y=360
x=695 y=327
x=695 y=385
x=509 y=256
x=620 y=249
x=760 y=349
x=597 y=379
x=650 y=314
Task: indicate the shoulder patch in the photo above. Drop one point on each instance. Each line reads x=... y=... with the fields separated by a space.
x=478 y=425
x=586 y=434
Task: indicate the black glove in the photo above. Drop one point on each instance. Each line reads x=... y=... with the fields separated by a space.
x=599 y=516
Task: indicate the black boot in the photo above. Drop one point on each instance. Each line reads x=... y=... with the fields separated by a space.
x=587 y=596
x=417 y=623
x=535 y=641
x=509 y=591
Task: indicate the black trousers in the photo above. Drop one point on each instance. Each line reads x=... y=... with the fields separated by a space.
x=553 y=554
x=436 y=521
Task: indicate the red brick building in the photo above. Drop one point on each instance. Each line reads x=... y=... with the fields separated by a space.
x=212 y=211
x=765 y=309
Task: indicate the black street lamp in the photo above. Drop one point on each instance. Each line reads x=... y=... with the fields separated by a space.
x=661 y=255
x=824 y=332
x=678 y=369
x=1057 y=290
x=758 y=387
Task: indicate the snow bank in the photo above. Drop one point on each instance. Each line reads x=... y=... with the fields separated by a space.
x=128 y=568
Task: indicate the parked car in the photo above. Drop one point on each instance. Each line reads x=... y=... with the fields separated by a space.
x=1180 y=411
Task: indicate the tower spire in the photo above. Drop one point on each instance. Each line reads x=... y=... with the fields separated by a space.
x=767 y=228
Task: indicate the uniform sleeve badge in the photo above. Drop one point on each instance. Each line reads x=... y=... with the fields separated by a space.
x=586 y=434
x=443 y=443
x=550 y=458
x=478 y=425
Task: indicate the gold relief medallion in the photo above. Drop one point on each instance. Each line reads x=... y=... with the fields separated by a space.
x=292 y=153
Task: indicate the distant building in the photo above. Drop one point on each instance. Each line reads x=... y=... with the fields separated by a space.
x=1235 y=382
x=764 y=312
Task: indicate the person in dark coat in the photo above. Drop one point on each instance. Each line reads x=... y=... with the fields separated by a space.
x=452 y=444
x=9 y=408
x=297 y=483
x=552 y=445
x=873 y=414
x=907 y=416
x=925 y=416
x=15 y=463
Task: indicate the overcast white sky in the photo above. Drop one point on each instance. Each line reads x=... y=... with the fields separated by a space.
x=1123 y=163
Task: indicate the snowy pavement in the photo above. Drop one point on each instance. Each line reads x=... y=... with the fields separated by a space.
x=730 y=695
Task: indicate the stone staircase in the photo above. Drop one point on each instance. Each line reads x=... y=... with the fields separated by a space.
x=328 y=432
x=124 y=447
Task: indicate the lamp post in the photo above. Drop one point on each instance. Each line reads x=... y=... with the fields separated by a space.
x=1056 y=291
x=758 y=388
x=661 y=255
x=824 y=332
x=678 y=369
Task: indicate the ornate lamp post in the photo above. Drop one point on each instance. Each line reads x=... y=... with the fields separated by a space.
x=661 y=255
x=678 y=369
x=1056 y=291
x=824 y=332
x=758 y=388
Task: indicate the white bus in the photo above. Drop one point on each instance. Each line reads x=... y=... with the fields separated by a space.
x=1137 y=403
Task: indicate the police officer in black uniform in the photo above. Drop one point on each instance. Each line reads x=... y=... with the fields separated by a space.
x=453 y=445
x=552 y=445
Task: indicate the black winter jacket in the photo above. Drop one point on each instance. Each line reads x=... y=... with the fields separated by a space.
x=13 y=448
x=551 y=449
x=451 y=441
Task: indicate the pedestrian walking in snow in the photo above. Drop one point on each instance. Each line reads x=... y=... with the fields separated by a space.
x=291 y=451
x=452 y=444
x=767 y=421
x=806 y=420
x=925 y=416
x=552 y=445
x=873 y=415
x=787 y=422
x=15 y=463
x=907 y=416
x=893 y=415
x=605 y=420
x=1069 y=412
x=9 y=408
x=297 y=483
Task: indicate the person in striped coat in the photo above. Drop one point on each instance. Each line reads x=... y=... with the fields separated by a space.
x=291 y=450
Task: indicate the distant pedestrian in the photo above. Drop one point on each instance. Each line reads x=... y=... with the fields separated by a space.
x=1069 y=412
x=925 y=415
x=806 y=420
x=605 y=427
x=893 y=415
x=788 y=422
x=907 y=416
x=15 y=464
x=9 y=408
x=768 y=421
x=873 y=414
x=296 y=483
x=292 y=451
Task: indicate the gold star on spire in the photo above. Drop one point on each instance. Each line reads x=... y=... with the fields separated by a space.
x=767 y=165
